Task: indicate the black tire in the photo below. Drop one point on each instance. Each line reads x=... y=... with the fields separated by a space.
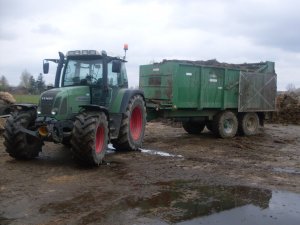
x=18 y=144
x=225 y=124
x=193 y=127
x=90 y=137
x=132 y=128
x=248 y=123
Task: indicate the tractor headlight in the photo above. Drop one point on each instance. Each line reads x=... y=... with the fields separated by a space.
x=38 y=111
x=54 y=111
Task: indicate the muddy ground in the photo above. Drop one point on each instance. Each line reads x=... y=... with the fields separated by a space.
x=201 y=176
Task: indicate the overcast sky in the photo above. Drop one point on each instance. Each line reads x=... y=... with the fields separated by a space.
x=232 y=31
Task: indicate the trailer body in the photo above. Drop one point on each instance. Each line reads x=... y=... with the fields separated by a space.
x=199 y=90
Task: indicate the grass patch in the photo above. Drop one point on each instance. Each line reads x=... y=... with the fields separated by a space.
x=27 y=98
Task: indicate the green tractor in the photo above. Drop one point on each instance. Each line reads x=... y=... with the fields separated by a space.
x=89 y=106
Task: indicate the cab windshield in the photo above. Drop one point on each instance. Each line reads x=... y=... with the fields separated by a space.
x=83 y=72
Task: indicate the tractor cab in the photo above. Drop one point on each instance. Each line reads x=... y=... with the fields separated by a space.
x=83 y=77
x=88 y=67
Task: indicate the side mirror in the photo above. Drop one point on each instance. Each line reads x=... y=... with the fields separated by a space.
x=116 y=66
x=46 y=67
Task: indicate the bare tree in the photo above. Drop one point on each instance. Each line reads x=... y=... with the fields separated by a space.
x=25 y=79
x=290 y=87
x=3 y=83
x=40 y=83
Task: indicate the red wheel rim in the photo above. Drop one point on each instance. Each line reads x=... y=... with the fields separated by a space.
x=136 y=123
x=100 y=136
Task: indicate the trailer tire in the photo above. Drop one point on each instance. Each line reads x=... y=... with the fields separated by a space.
x=132 y=128
x=248 y=123
x=20 y=145
x=193 y=127
x=90 y=137
x=225 y=124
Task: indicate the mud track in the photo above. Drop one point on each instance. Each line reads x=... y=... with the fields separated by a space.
x=144 y=187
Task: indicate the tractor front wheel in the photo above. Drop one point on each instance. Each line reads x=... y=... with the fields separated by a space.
x=90 y=137
x=18 y=144
x=132 y=128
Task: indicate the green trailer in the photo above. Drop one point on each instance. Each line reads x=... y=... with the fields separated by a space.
x=226 y=98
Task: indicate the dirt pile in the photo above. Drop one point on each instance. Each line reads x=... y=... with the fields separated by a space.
x=6 y=98
x=2 y=124
x=288 y=109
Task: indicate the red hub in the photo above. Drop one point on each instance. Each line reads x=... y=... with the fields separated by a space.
x=100 y=136
x=136 y=123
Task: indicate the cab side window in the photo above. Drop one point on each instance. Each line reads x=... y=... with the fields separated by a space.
x=123 y=76
x=112 y=78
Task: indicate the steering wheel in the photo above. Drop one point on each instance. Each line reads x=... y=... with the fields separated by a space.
x=91 y=78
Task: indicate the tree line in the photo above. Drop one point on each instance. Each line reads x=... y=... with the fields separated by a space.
x=28 y=84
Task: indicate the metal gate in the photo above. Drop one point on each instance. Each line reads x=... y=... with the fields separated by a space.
x=257 y=92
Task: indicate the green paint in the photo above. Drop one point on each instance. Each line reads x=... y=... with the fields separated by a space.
x=65 y=102
x=198 y=89
x=117 y=100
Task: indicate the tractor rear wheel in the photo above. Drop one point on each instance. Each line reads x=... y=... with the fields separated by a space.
x=225 y=124
x=90 y=137
x=248 y=123
x=132 y=128
x=193 y=127
x=18 y=144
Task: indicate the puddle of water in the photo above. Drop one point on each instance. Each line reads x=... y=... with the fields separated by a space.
x=286 y=170
x=283 y=208
x=160 y=153
x=189 y=203
x=111 y=149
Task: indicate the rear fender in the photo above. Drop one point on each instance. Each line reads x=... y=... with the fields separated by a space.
x=121 y=101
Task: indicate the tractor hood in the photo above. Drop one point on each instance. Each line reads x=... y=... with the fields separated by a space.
x=63 y=103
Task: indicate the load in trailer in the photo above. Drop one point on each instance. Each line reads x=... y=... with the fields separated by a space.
x=90 y=106
x=226 y=98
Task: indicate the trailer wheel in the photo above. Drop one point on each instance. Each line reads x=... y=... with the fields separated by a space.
x=193 y=127
x=90 y=137
x=248 y=123
x=225 y=124
x=132 y=128
x=18 y=144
